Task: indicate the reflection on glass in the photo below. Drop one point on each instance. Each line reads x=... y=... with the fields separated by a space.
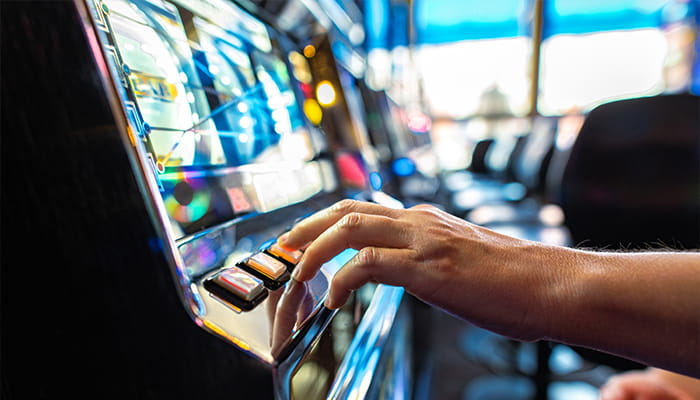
x=198 y=90
x=212 y=99
x=225 y=68
x=159 y=66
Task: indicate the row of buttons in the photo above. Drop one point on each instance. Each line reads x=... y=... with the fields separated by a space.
x=247 y=284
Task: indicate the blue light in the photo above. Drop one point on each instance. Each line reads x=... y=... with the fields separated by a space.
x=375 y=180
x=403 y=166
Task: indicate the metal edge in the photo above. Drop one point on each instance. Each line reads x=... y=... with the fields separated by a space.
x=146 y=182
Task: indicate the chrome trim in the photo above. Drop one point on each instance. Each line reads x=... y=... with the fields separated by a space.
x=144 y=177
x=355 y=373
x=283 y=372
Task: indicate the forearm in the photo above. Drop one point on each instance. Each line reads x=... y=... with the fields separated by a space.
x=642 y=306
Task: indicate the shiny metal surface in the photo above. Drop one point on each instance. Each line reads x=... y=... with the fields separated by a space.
x=355 y=373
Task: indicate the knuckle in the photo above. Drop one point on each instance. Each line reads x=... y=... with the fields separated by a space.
x=350 y=221
x=426 y=208
x=344 y=206
x=367 y=256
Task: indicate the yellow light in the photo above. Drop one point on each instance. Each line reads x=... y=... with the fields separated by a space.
x=217 y=329
x=309 y=50
x=300 y=67
x=325 y=93
x=313 y=111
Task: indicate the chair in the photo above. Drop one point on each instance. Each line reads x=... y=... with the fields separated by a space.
x=632 y=180
x=532 y=217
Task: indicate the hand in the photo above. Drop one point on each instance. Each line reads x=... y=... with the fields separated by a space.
x=441 y=259
x=641 y=385
x=522 y=289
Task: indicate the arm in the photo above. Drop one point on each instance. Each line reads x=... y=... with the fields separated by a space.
x=644 y=306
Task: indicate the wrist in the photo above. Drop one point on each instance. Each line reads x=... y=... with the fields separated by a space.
x=539 y=290
x=560 y=273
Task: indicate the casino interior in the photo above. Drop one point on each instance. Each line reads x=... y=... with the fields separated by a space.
x=154 y=150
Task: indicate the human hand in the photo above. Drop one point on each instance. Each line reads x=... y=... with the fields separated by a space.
x=641 y=385
x=446 y=261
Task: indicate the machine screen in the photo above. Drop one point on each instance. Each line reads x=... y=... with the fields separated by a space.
x=209 y=98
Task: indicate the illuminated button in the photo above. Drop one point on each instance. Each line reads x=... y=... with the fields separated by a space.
x=240 y=283
x=291 y=256
x=267 y=265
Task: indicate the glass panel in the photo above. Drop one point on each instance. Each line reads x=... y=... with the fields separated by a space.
x=455 y=20
x=484 y=70
x=209 y=95
x=575 y=16
x=598 y=51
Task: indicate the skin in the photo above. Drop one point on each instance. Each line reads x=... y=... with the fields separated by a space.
x=643 y=306
x=650 y=384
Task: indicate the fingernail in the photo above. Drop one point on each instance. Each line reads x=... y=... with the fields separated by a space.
x=282 y=239
x=329 y=303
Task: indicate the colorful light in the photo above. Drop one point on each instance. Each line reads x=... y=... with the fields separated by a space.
x=187 y=203
x=309 y=51
x=325 y=93
x=403 y=166
x=375 y=180
x=419 y=122
x=313 y=111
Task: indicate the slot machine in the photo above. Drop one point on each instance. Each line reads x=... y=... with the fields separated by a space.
x=397 y=161
x=159 y=149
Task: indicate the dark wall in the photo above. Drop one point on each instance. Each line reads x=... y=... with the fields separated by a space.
x=88 y=304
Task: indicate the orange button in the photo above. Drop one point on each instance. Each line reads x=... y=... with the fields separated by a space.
x=266 y=265
x=291 y=256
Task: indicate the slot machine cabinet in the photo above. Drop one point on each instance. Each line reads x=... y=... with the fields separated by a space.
x=408 y=165
x=399 y=161
x=134 y=180
x=345 y=128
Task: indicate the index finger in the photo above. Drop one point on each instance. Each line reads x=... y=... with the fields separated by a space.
x=311 y=227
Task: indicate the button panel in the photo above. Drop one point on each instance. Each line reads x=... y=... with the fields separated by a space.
x=246 y=285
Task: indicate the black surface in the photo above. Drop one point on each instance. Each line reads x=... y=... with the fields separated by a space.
x=89 y=307
x=633 y=177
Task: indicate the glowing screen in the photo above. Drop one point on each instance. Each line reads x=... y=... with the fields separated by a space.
x=206 y=88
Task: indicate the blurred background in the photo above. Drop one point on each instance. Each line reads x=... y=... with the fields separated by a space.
x=222 y=122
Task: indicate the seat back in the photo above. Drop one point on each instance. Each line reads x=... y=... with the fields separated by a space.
x=632 y=179
x=478 y=164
